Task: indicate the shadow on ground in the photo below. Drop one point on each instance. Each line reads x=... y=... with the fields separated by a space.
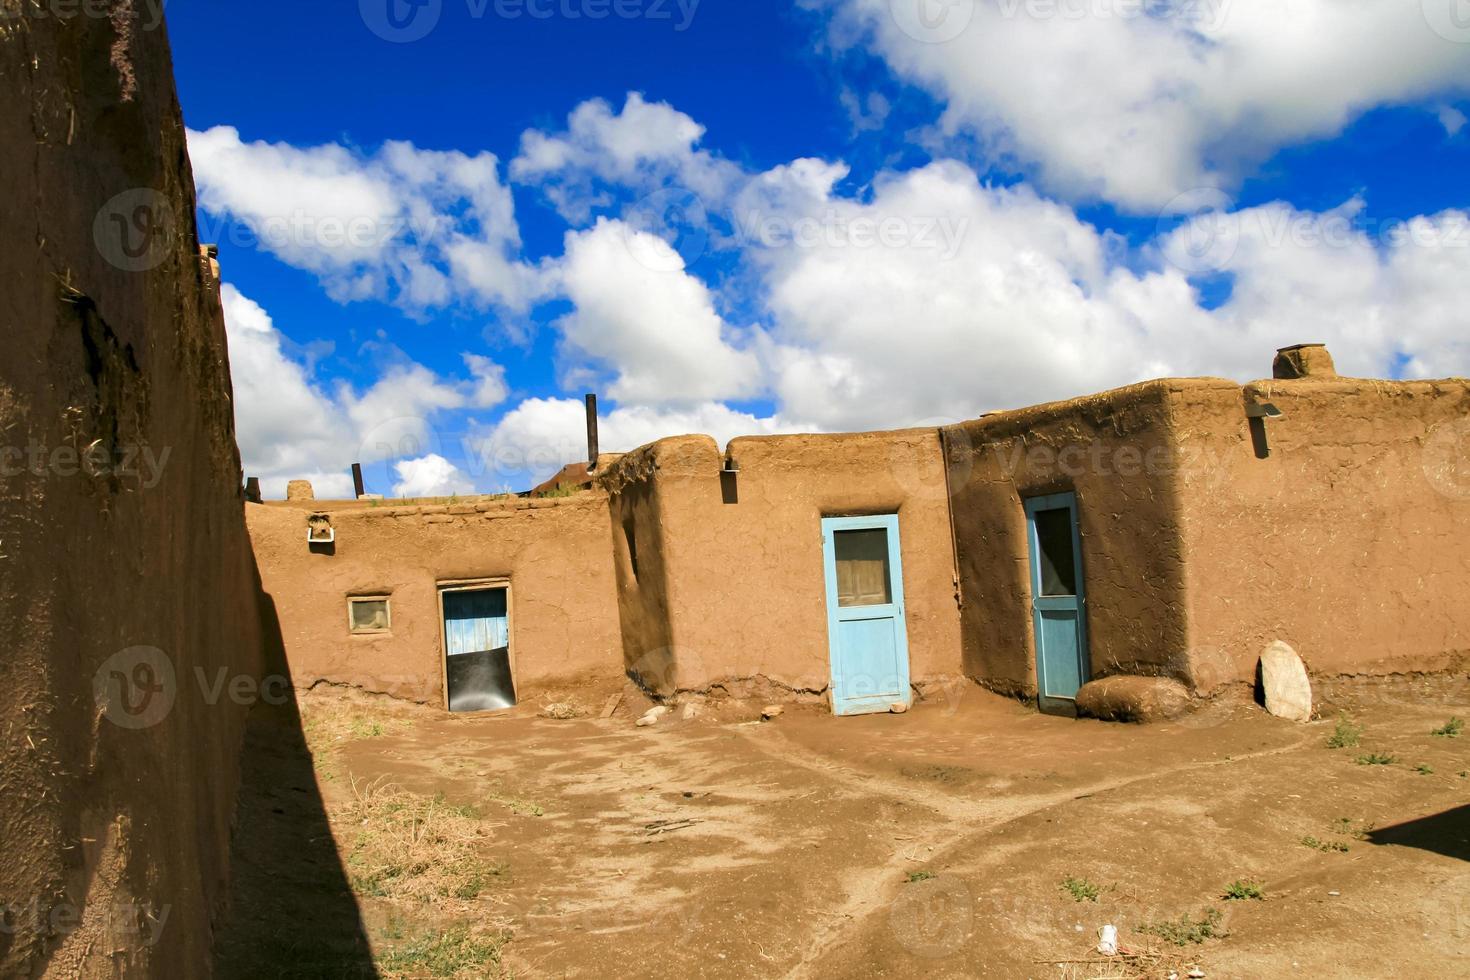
x=291 y=912
x=1446 y=833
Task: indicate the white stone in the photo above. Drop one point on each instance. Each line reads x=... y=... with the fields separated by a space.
x=690 y=712
x=647 y=720
x=898 y=707
x=1285 y=683
x=771 y=711
x=657 y=711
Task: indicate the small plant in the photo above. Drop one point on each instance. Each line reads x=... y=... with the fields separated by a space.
x=1450 y=729
x=1424 y=769
x=362 y=728
x=923 y=875
x=1345 y=735
x=1346 y=827
x=454 y=952
x=1239 y=890
x=1080 y=889
x=1326 y=846
x=1375 y=759
x=1185 y=931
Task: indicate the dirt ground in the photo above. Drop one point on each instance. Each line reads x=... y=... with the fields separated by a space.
x=969 y=837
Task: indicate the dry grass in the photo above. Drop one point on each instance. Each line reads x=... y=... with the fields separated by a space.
x=413 y=850
x=1131 y=963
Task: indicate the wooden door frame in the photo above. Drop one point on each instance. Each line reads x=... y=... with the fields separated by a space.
x=473 y=585
x=1056 y=501
x=888 y=523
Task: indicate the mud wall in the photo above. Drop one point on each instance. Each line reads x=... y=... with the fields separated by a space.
x=124 y=561
x=729 y=589
x=1117 y=452
x=1350 y=539
x=554 y=552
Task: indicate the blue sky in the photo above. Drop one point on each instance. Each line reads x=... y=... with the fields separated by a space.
x=754 y=216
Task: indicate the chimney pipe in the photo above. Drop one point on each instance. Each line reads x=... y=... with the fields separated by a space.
x=592 y=432
x=357 y=483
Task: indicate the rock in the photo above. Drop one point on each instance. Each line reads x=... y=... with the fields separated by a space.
x=771 y=711
x=299 y=490
x=561 y=711
x=647 y=720
x=690 y=712
x=1284 y=681
x=899 y=707
x=1124 y=697
x=657 y=711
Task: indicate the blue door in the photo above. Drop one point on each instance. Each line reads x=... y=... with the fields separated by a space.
x=477 y=650
x=865 y=625
x=1058 y=600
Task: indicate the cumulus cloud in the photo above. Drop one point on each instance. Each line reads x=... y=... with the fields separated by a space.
x=1137 y=102
x=540 y=435
x=638 y=312
x=644 y=146
x=288 y=427
x=1021 y=301
x=430 y=476
x=420 y=228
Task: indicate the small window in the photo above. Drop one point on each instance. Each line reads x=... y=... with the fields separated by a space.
x=368 y=614
x=863 y=577
x=1058 y=562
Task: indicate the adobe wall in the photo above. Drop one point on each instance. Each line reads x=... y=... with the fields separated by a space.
x=730 y=585
x=555 y=552
x=1350 y=540
x=1116 y=451
x=111 y=814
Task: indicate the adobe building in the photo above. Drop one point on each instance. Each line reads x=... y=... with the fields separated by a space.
x=1168 y=530
x=126 y=574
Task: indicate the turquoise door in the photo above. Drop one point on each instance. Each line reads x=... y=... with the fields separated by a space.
x=1058 y=601
x=866 y=633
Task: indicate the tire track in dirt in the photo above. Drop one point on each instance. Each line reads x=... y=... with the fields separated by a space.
x=877 y=889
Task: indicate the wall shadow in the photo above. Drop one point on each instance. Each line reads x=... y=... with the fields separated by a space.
x=1446 y=833
x=291 y=912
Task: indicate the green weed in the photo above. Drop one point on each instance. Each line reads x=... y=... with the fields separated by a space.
x=1240 y=890
x=1080 y=889
x=1327 y=846
x=455 y=952
x=1186 y=931
x=1345 y=735
x=1450 y=729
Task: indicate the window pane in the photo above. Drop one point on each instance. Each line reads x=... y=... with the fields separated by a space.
x=369 y=614
x=862 y=567
x=1058 y=567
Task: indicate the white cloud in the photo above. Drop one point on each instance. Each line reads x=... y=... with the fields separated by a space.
x=540 y=435
x=639 y=311
x=421 y=228
x=430 y=476
x=1136 y=103
x=1452 y=119
x=1036 y=304
x=644 y=146
x=290 y=428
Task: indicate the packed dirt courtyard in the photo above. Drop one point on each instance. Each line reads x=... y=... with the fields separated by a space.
x=969 y=837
